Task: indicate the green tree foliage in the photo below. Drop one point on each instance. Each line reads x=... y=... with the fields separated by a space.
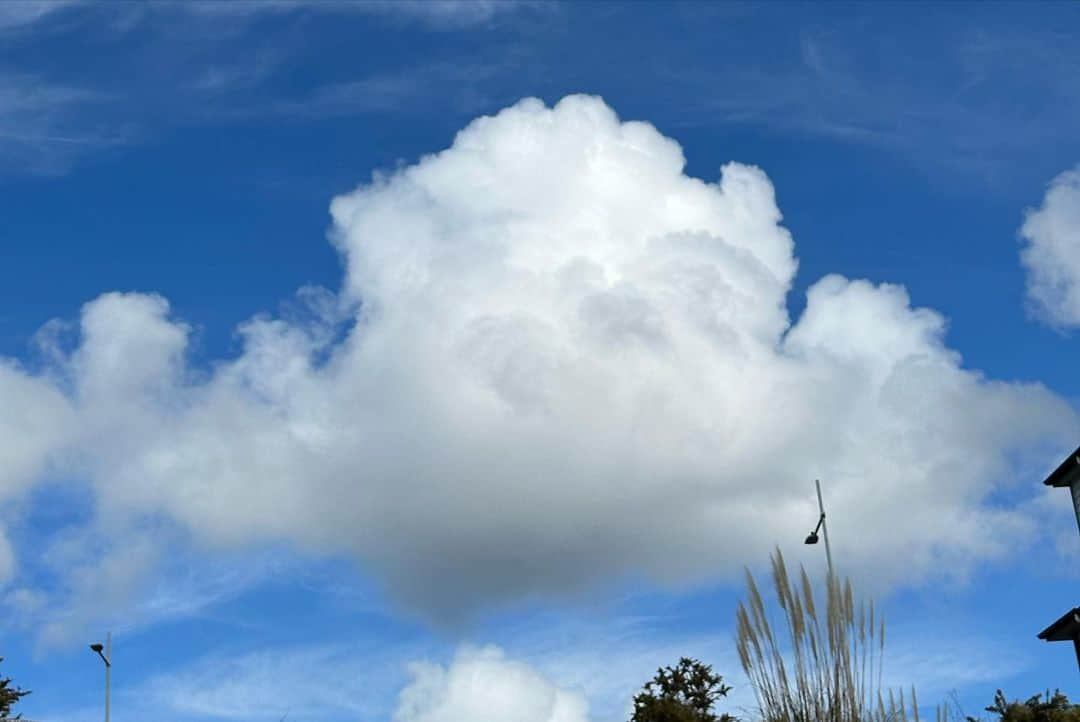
x=683 y=693
x=9 y=695
x=1055 y=708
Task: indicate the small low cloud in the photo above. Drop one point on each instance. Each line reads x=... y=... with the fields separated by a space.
x=484 y=684
x=1051 y=253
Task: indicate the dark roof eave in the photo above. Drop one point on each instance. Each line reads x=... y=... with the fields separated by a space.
x=1067 y=473
x=1065 y=629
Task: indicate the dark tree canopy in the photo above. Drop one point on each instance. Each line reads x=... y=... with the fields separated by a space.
x=9 y=695
x=683 y=693
x=1055 y=708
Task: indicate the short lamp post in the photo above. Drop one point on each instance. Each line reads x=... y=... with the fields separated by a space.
x=105 y=652
x=1067 y=628
x=812 y=537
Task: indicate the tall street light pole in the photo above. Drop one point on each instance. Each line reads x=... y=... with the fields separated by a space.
x=822 y=527
x=106 y=656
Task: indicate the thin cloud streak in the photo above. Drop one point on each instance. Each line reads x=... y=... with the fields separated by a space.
x=937 y=109
x=19 y=15
x=43 y=126
x=944 y=107
x=432 y=14
x=450 y=87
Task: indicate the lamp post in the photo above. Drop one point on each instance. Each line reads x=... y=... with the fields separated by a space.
x=812 y=537
x=106 y=656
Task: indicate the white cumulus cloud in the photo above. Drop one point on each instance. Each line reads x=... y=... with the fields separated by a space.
x=1051 y=253
x=556 y=361
x=484 y=684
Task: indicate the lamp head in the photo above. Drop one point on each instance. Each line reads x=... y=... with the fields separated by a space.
x=97 y=648
x=812 y=538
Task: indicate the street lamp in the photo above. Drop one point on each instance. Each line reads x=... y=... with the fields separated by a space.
x=812 y=537
x=105 y=653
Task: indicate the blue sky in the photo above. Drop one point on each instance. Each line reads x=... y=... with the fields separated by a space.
x=520 y=406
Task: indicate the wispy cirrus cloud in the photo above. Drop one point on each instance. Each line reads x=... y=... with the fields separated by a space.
x=127 y=580
x=964 y=97
x=50 y=115
x=43 y=125
x=16 y=15
x=330 y=681
x=460 y=88
x=432 y=14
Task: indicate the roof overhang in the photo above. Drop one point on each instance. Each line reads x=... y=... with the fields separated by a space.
x=1068 y=473
x=1066 y=629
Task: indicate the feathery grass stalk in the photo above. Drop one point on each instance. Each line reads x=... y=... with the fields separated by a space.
x=826 y=671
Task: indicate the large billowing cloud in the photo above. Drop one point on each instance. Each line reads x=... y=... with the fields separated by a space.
x=1051 y=253
x=556 y=361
